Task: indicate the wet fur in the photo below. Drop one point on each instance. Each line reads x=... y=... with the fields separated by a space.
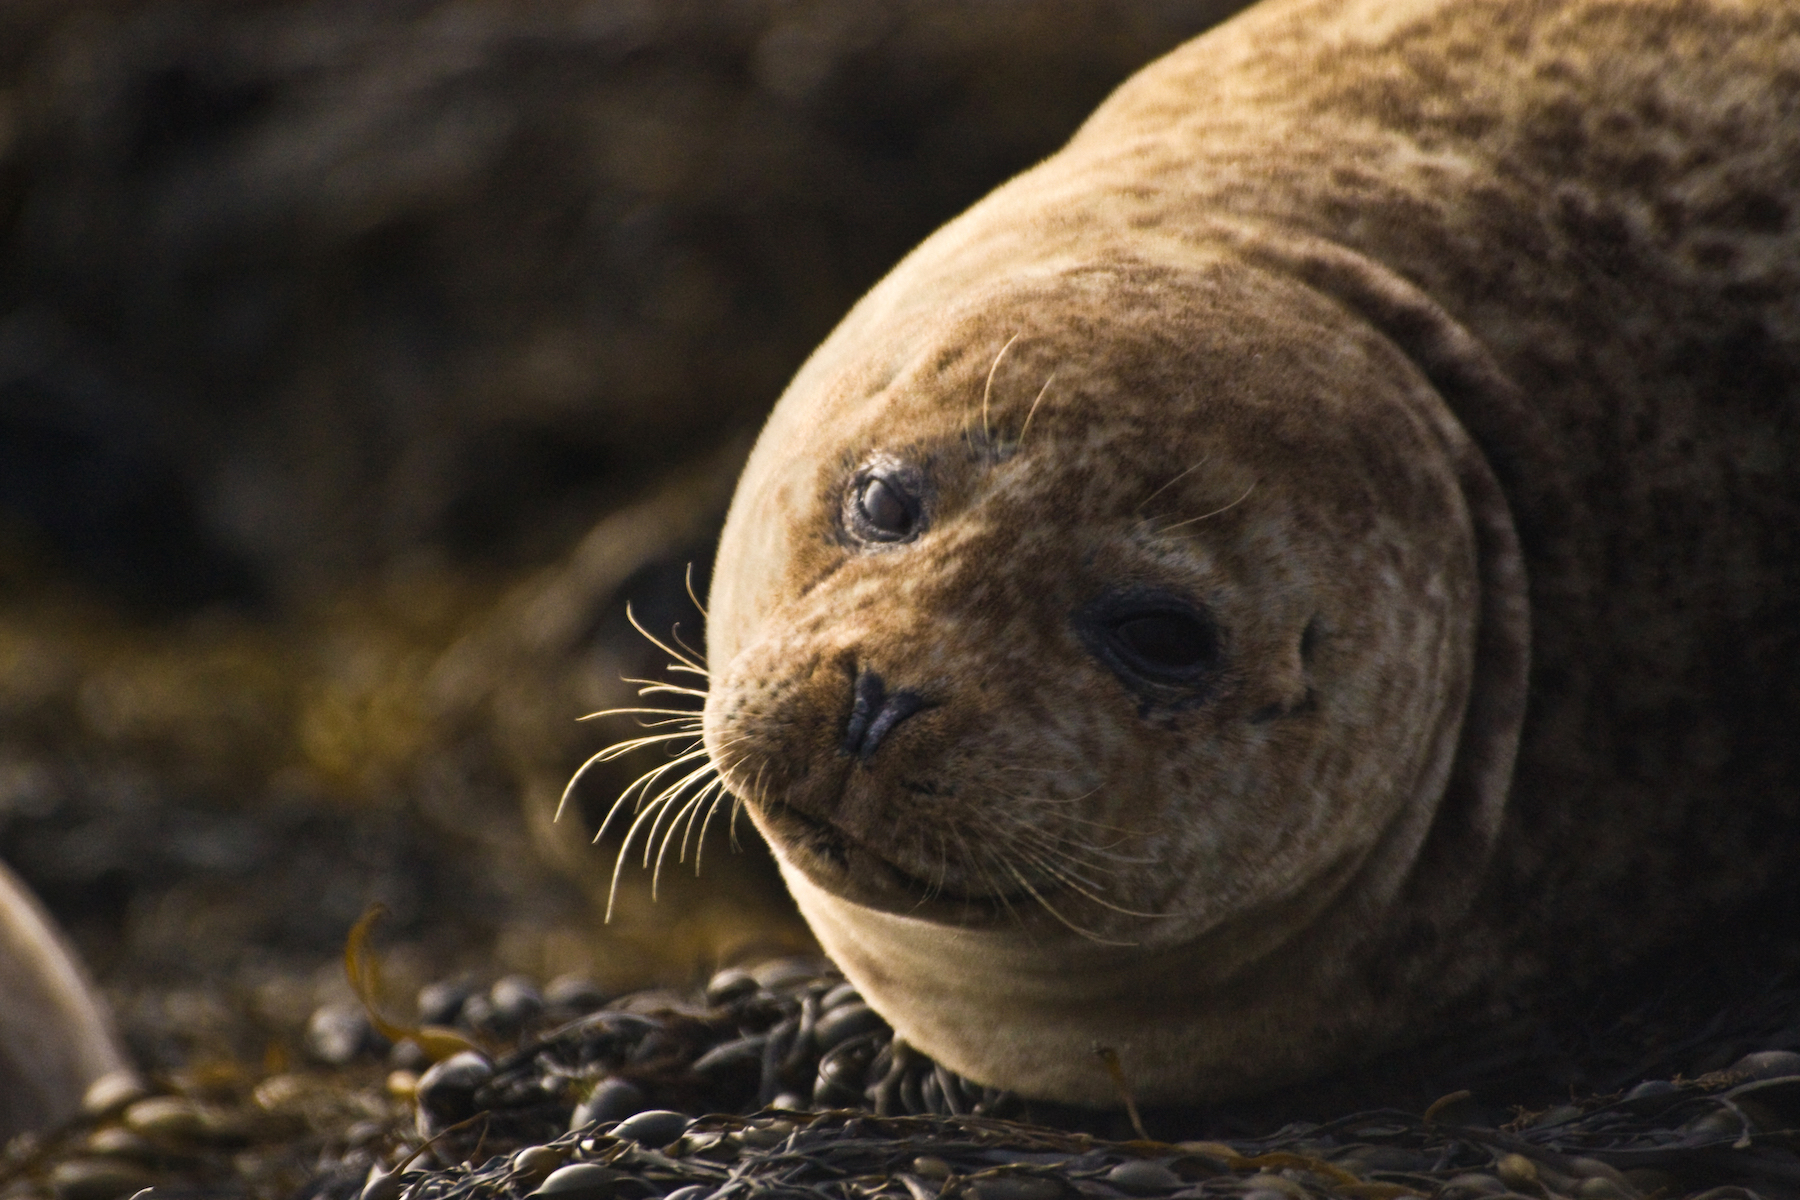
x=1465 y=336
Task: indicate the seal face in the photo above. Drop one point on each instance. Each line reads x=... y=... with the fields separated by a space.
x=1122 y=630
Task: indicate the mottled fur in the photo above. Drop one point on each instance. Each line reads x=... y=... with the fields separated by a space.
x=1449 y=354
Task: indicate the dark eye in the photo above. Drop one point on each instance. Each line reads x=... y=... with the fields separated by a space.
x=1156 y=640
x=1166 y=641
x=883 y=510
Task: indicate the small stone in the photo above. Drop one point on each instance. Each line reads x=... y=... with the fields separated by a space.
x=693 y=1191
x=113 y=1090
x=737 y=1054
x=766 y=1137
x=1281 y=1186
x=402 y=1085
x=574 y=994
x=1517 y=1171
x=1767 y=1064
x=477 y=1013
x=516 y=1000
x=533 y=1163
x=1652 y=1087
x=1600 y=1188
x=1141 y=1177
x=337 y=1034
x=655 y=1128
x=733 y=983
x=1593 y=1168
x=115 y=1141
x=845 y=1022
x=792 y=1102
x=408 y=1055
x=843 y=993
x=613 y=1100
x=579 y=1181
x=1473 y=1183
x=164 y=1118
x=782 y=973
x=446 y=1093
x=98 y=1179
x=441 y=1003
x=929 y=1166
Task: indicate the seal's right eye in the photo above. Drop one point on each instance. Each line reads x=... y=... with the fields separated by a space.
x=882 y=509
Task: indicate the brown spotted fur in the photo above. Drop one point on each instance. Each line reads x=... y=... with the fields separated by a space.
x=1469 y=331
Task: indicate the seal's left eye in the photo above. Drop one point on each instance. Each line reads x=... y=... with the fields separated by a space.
x=883 y=511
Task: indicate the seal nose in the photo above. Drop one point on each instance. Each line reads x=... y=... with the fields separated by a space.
x=874 y=712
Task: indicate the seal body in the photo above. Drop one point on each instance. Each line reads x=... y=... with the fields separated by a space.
x=1315 y=561
x=56 y=1037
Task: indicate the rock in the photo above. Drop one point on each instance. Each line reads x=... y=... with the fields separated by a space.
x=1143 y=1178
x=613 y=1100
x=657 y=1127
x=337 y=1034
x=579 y=1181
x=446 y=1093
x=1767 y=1064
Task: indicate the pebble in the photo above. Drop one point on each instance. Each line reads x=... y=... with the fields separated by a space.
x=579 y=1181
x=574 y=994
x=1474 y=1183
x=1279 y=1185
x=693 y=1191
x=441 y=1003
x=1651 y=1088
x=655 y=1128
x=533 y=1163
x=164 y=1118
x=844 y=1022
x=337 y=1034
x=1767 y=1064
x=1517 y=1171
x=843 y=993
x=613 y=1100
x=111 y=1091
x=733 y=983
x=930 y=1167
x=98 y=1179
x=1143 y=1178
x=515 y=1000
x=446 y=1093
x=779 y=973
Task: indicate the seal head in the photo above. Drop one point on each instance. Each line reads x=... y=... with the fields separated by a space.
x=1095 y=652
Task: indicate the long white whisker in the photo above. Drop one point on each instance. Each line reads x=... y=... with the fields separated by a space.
x=1032 y=411
x=688 y=661
x=988 y=388
x=1215 y=512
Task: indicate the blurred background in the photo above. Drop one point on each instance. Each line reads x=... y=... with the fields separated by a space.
x=358 y=363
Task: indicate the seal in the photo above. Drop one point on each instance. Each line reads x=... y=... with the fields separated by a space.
x=1315 y=561
x=56 y=1037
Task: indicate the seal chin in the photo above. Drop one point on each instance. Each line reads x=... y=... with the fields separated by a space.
x=847 y=867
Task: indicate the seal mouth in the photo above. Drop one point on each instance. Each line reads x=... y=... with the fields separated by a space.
x=846 y=859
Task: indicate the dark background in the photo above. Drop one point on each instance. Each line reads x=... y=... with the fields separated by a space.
x=358 y=362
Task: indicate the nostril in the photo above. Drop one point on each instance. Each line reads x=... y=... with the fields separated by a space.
x=874 y=712
x=869 y=692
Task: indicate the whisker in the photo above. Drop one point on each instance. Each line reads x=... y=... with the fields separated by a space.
x=1179 y=476
x=1032 y=411
x=689 y=581
x=1051 y=909
x=988 y=388
x=1215 y=512
x=690 y=661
